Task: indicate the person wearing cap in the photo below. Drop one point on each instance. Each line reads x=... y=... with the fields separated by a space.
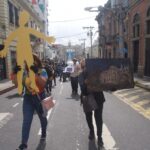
x=74 y=76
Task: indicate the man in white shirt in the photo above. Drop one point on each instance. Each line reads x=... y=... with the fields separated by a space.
x=74 y=76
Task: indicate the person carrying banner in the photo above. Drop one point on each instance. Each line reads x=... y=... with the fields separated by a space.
x=100 y=99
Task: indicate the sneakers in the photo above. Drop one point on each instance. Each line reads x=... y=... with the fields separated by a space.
x=22 y=147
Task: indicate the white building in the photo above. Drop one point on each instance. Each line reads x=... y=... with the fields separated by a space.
x=9 y=11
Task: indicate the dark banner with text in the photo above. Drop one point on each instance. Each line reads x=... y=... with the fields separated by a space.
x=109 y=74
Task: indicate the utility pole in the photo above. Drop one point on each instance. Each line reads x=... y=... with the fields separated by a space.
x=84 y=45
x=90 y=33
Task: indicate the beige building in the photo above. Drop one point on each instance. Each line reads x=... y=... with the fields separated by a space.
x=9 y=16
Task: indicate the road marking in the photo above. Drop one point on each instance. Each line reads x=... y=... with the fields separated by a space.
x=109 y=142
x=15 y=105
x=135 y=106
x=129 y=92
x=61 y=88
x=48 y=115
x=4 y=118
x=133 y=98
x=143 y=102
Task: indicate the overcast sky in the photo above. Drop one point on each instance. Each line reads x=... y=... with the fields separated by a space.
x=68 y=17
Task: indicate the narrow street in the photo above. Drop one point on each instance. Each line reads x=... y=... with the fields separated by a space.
x=124 y=127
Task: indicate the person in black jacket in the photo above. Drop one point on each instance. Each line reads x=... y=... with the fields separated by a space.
x=99 y=97
x=49 y=71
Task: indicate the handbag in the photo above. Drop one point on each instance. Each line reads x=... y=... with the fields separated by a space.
x=48 y=103
x=89 y=103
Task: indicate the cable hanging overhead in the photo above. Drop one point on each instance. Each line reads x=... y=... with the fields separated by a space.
x=71 y=20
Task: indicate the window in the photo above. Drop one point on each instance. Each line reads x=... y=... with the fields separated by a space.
x=148 y=26
x=16 y=17
x=136 y=26
x=148 y=13
x=13 y=14
x=148 y=22
x=136 y=18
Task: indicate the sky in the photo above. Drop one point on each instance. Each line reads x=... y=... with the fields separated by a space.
x=68 y=17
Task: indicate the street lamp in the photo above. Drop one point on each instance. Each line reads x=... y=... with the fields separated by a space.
x=94 y=9
x=119 y=14
x=90 y=33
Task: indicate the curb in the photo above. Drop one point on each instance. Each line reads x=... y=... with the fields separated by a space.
x=146 y=87
x=7 y=90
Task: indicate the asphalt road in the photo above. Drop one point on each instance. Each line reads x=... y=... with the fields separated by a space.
x=124 y=128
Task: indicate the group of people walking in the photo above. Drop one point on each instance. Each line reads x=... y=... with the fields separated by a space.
x=45 y=74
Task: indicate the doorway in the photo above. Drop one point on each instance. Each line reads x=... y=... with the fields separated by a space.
x=147 y=58
x=2 y=69
x=135 y=56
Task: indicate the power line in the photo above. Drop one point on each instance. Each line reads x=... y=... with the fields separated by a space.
x=71 y=20
x=71 y=35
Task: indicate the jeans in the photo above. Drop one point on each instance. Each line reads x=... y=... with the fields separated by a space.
x=31 y=103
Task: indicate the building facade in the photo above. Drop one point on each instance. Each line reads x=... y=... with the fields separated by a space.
x=112 y=31
x=124 y=31
x=139 y=36
x=9 y=21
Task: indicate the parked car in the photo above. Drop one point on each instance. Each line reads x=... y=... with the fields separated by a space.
x=66 y=72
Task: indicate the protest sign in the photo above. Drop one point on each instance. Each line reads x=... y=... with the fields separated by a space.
x=109 y=74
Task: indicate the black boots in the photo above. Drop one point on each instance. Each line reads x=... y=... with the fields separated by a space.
x=91 y=136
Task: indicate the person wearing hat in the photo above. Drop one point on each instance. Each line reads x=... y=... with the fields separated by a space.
x=74 y=76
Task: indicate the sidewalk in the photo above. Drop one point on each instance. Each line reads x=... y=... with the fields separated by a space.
x=143 y=83
x=6 y=85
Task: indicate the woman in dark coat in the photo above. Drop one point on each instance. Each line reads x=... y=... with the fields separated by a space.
x=99 y=98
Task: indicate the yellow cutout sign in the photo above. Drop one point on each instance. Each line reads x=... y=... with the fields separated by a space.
x=23 y=48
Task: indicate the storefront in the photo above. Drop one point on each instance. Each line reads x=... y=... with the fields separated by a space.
x=2 y=69
x=3 y=74
x=13 y=59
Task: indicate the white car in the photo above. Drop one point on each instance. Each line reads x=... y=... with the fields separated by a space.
x=66 y=72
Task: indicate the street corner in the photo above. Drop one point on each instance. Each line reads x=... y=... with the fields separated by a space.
x=137 y=98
